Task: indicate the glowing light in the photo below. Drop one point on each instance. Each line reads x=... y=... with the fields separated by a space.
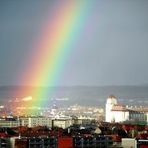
x=27 y=98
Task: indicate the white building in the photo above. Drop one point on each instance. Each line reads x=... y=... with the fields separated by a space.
x=36 y=121
x=62 y=121
x=57 y=121
x=9 y=123
x=119 y=113
x=111 y=101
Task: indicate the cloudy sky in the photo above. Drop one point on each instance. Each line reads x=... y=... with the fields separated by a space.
x=112 y=49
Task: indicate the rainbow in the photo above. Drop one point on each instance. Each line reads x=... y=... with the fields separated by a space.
x=46 y=63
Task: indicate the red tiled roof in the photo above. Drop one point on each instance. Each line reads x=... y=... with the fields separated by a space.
x=119 y=107
x=111 y=98
x=4 y=135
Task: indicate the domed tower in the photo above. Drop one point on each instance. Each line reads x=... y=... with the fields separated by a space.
x=111 y=101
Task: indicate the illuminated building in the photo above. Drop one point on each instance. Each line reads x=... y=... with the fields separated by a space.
x=111 y=101
x=121 y=113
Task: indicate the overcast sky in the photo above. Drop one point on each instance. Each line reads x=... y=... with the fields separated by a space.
x=115 y=52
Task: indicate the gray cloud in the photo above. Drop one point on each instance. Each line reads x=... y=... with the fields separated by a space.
x=113 y=50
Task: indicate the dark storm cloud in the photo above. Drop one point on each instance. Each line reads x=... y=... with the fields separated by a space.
x=114 y=52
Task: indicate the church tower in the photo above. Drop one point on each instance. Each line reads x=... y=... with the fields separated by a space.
x=111 y=101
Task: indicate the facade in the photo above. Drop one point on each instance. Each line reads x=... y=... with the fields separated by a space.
x=36 y=121
x=111 y=101
x=83 y=120
x=57 y=121
x=5 y=123
x=62 y=121
x=24 y=121
x=120 y=113
x=9 y=122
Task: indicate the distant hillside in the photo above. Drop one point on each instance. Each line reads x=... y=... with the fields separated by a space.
x=84 y=95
